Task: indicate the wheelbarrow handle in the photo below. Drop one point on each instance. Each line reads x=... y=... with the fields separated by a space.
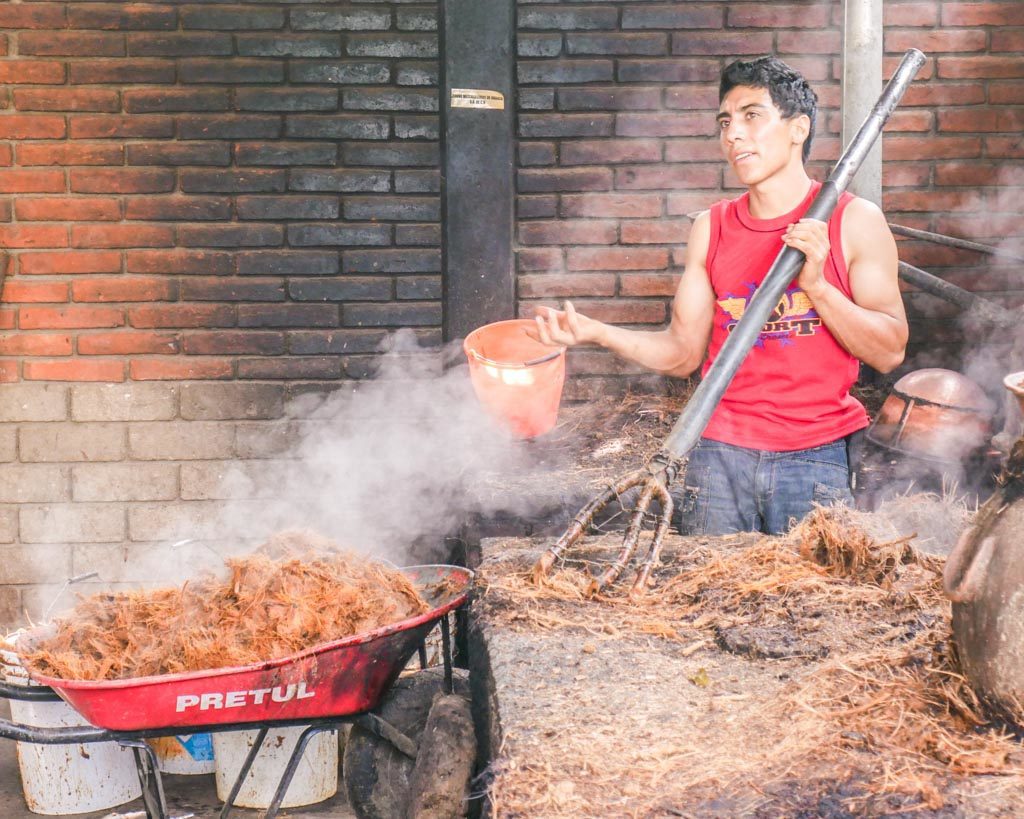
x=53 y=736
x=697 y=413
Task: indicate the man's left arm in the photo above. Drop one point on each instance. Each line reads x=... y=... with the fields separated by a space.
x=873 y=325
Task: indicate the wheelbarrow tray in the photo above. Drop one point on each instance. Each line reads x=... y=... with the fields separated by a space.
x=334 y=679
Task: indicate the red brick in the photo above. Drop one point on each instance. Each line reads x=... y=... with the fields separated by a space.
x=539 y=258
x=121 y=16
x=66 y=99
x=35 y=343
x=982 y=119
x=649 y=284
x=655 y=231
x=121 y=236
x=616 y=98
x=930 y=201
x=25 y=292
x=31 y=72
x=130 y=70
x=683 y=204
x=180 y=261
x=128 y=343
x=932 y=42
x=225 y=342
x=178 y=208
x=617 y=258
x=993 y=228
x=122 y=180
x=71 y=261
x=31 y=126
x=610 y=151
x=624 y=205
x=8 y=371
x=802 y=42
x=705 y=149
x=776 y=15
x=1008 y=40
x=18 y=181
x=182 y=315
x=575 y=232
x=33 y=236
x=4 y=45
x=568 y=179
x=70 y=153
x=941 y=94
x=668 y=177
x=715 y=43
x=72 y=209
x=910 y=14
x=6 y=154
x=981 y=68
x=74 y=370
x=975 y=174
x=123 y=289
x=71 y=44
x=554 y=286
x=983 y=14
x=666 y=125
x=67 y=318
x=621 y=311
x=31 y=16
x=905 y=174
x=112 y=126
x=692 y=96
x=179 y=369
x=935 y=147
x=903 y=120
x=1010 y=147
x=1006 y=93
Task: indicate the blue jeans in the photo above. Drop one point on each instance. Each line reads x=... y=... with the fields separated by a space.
x=732 y=489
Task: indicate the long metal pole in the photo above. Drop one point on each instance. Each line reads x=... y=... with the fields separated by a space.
x=697 y=413
x=862 y=77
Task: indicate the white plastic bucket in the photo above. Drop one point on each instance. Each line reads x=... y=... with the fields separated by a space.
x=315 y=780
x=187 y=754
x=62 y=779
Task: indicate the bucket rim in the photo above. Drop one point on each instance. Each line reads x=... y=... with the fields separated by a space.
x=508 y=365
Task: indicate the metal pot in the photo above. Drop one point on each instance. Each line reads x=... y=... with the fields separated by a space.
x=934 y=414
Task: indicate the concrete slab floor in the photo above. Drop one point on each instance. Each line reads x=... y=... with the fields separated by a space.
x=185 y=794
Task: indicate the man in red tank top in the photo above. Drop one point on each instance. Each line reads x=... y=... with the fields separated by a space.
x=776 y=444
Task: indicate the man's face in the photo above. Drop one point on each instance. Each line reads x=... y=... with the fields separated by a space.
x=755 y=139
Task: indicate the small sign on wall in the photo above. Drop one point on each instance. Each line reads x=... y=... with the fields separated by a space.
x=477 y=98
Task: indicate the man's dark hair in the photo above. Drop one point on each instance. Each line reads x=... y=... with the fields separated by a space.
x=787 y=87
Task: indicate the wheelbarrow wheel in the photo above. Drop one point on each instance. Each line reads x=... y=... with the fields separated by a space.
x=376 y=775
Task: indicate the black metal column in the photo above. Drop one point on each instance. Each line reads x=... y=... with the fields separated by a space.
x=477 y=190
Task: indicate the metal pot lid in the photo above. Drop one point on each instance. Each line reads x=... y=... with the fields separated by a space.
x=945 y=387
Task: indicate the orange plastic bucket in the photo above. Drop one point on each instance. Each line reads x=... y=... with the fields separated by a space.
x=518 y=380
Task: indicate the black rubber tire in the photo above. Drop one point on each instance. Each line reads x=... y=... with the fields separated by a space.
x=376 y=775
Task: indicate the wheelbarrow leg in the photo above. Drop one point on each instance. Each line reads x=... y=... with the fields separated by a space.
x=242 y=774
x=293 y=764
x=149 y=777
x=446 y=649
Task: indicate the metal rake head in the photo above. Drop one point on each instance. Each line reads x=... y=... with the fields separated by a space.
x=653 y=482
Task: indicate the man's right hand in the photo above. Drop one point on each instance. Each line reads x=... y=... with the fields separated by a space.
x=564 y=328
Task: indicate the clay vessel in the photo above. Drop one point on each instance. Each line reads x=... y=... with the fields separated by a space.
x=984 y=577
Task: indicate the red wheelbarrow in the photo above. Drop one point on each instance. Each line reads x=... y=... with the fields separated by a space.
x=322 y=687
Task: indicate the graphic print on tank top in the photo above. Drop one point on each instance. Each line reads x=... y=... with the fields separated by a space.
x=793 y=316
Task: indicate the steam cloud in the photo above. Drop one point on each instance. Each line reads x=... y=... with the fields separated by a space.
x=392 y=467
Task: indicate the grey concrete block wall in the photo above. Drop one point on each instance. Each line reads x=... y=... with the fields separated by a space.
x=112 y=477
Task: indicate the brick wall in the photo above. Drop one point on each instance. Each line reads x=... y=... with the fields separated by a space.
x=617 y=145
x=209 y=191
x=208 y=210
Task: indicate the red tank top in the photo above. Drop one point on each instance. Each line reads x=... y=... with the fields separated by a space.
x=792 y=391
